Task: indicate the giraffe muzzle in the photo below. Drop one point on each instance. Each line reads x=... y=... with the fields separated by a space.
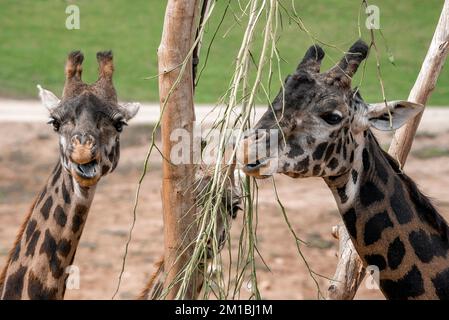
x=86 y=174
x=253 y=159
x=258 y=169
x=87 y=170
x=84 y=149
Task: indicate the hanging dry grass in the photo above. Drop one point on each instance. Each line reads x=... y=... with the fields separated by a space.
x=255 y=72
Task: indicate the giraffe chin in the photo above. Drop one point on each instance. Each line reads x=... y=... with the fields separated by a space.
x=294 y=175
x=86 y=174
x=255 y=172
x=258 y=176
x=83 y=182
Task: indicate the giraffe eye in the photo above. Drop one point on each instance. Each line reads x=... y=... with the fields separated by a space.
x=55 y=123
x=119 y=125
x=331 y=118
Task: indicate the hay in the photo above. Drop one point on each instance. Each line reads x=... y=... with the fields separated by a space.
x=251 y=81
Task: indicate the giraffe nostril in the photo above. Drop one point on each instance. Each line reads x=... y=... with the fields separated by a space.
x=83 y=139
x=83 y=152
x=75 y=140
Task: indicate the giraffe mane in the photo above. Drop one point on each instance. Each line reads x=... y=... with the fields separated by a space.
x=423 y=204
x=159 y=265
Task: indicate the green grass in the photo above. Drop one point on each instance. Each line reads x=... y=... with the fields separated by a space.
x=34 y=43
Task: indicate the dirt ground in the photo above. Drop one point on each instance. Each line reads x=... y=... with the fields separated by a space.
x=28 y=152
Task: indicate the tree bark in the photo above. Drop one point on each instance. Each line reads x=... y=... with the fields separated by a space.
x=178 y=201
x=350 y=271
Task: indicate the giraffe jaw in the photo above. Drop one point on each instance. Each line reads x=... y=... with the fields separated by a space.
x=86 y=174
x=258 y=169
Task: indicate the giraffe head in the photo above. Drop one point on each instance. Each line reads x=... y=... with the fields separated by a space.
x=88 y=120
x=319 y=120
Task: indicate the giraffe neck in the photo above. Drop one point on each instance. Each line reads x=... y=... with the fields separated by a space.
x=393 y=226
x=47 y=241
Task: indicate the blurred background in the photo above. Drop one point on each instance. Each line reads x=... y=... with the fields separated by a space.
x=34 y=43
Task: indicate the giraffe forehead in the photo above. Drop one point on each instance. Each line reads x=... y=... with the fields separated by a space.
x=322 y=102
x=86 y=107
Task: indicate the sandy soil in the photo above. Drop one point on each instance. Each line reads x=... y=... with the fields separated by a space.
x=28 y=152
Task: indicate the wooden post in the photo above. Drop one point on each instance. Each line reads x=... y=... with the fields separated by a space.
x=349 y=273
x=178 y=201
x=424 y=85
x=350 y=270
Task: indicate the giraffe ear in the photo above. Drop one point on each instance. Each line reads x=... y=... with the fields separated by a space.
x=393 y=115
x=130 y=109
x=48 y=98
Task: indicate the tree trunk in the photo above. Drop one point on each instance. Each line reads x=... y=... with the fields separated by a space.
x=424 y=85
x=178 y=200
x=349 y=272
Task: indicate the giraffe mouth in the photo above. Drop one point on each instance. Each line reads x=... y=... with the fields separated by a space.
x=255 y=169
x=86 y=171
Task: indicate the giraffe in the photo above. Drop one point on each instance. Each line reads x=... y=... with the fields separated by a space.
x=88 y=121
x=231 y=202
x=325 y=128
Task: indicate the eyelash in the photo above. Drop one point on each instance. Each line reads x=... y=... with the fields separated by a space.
x=119 y=125
x=55 y=123
x=331 y=118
